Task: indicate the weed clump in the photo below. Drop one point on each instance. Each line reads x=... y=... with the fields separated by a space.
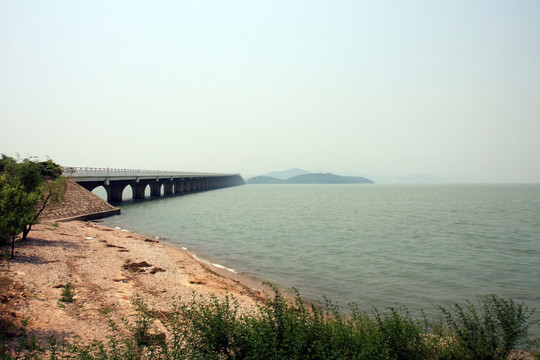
x=68 y=293
x=493 y=331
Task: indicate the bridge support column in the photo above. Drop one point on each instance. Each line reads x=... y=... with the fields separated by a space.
x=155 y=188
x=114 y=192
x=108 y=191
x=138 y=190
x=179 y=186
x=168 y=188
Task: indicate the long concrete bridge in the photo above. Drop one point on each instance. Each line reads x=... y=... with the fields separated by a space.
x=160 y=182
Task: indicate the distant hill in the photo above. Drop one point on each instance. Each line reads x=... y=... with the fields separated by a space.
x=316 y=178
x=287 y=174
x=265 y=180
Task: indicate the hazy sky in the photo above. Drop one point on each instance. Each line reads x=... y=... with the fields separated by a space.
x=449 y=88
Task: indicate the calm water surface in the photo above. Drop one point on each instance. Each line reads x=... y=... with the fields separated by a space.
x=375 y=245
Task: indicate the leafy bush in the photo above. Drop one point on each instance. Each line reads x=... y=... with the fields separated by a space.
x=492 y=332
x=403 y=335
x=67 y=293
x=289 y=329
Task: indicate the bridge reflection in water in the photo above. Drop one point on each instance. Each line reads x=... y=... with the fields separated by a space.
x=172 y=182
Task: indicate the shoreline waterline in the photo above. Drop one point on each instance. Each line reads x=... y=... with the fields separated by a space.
x=250 y=282
x=253 y=283
x=416 y=245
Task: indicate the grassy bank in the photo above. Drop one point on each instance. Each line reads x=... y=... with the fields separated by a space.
x=202 y=328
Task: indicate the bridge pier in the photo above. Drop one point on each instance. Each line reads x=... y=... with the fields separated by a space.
x=168 y=187
x=114 y=193
x=155 y=188
x=179 y=186
x=138 y=188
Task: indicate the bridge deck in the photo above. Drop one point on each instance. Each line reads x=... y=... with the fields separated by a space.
x=98 y=174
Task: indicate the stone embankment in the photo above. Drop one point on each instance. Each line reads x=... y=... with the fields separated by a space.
x=79 y=204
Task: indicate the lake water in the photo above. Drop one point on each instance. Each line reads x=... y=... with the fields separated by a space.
x=375 y=245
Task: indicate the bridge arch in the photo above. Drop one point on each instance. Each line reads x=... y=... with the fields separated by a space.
x=161 y=190
x=127 y=193
x=101 y=192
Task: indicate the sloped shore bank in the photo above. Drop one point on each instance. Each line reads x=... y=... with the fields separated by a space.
x=79 y=204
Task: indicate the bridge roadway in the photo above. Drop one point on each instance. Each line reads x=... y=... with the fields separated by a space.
x=171 y=182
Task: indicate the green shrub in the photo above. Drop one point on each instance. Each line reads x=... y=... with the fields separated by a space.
x=491 y=332
x=67 y=293
x=213 y=327
x=403 y=335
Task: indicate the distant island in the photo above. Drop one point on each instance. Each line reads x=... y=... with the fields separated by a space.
x=311 y=178
x=275 y=177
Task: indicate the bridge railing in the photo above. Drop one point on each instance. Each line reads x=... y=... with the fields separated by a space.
x=75 y=171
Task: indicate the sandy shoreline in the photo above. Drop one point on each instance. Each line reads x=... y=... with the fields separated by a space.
x=107 y=267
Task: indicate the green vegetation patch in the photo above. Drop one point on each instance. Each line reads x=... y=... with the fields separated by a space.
x=212 y=328
x=68 y=293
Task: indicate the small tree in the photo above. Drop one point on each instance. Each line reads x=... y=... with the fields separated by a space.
x=50 y=193
x=26 y=189
x=16 y=210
